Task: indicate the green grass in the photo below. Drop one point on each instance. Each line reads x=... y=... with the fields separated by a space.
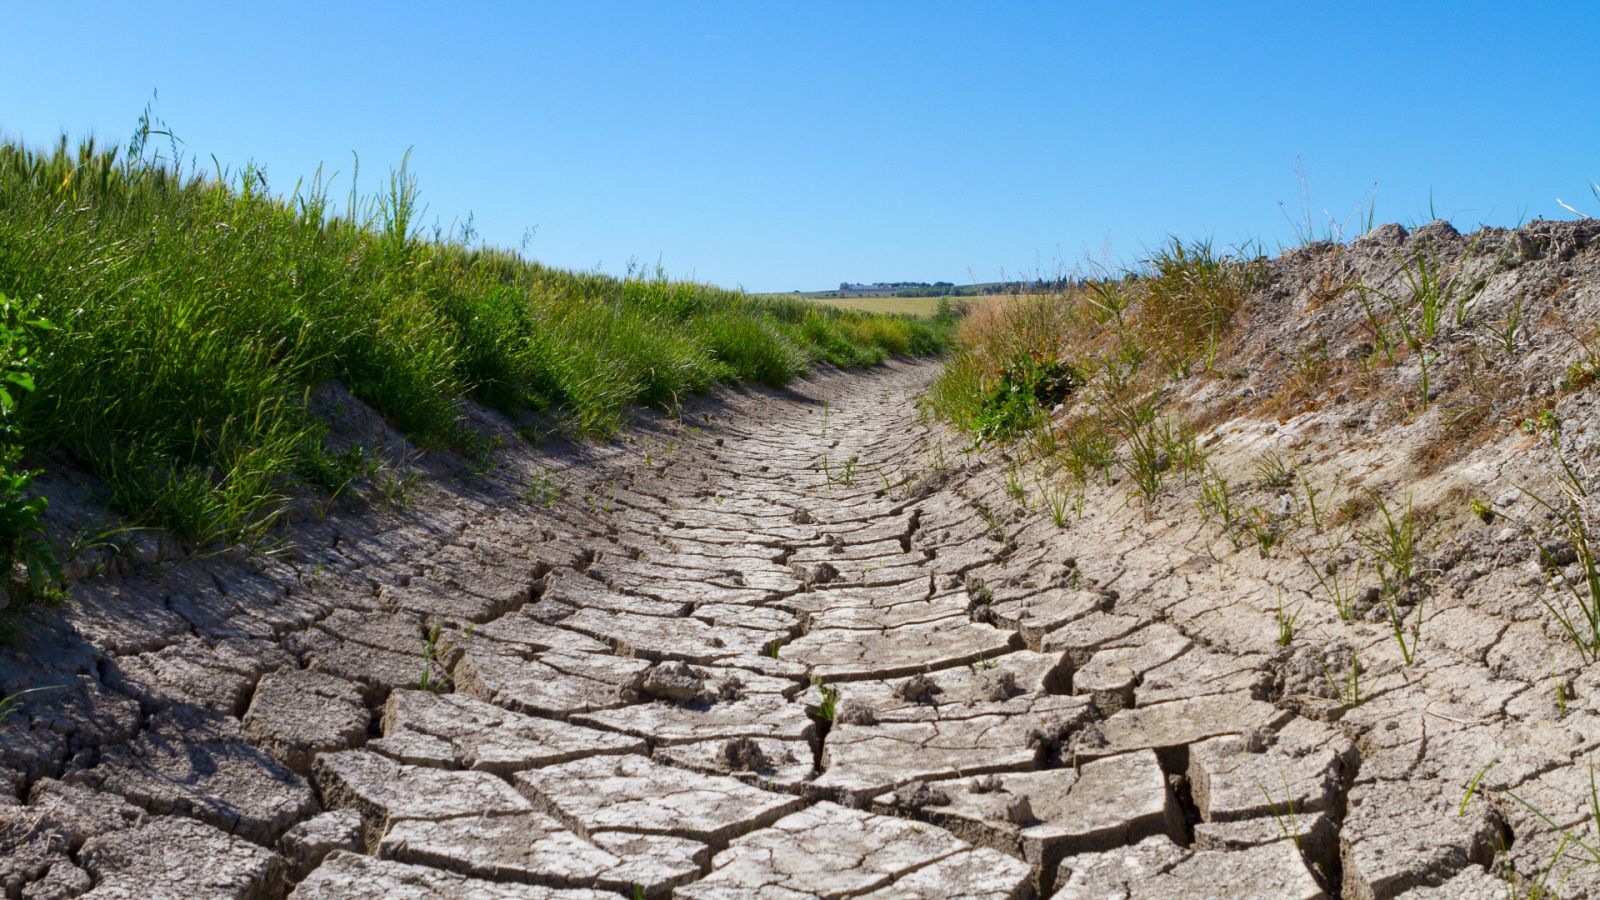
x=194 y=312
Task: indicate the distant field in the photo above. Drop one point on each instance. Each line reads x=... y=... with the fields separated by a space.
x=914 y=306
x=877 y=303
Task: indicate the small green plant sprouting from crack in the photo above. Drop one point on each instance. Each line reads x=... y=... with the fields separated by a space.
x=435 y=675
x=1287 y=621
x=1088 y=450
x=1311 y=493
x=1265 y=528
x=1563 y=690
x=1506 y=330
x=399 y=491
x=774 y=647
x=1348 y=687
x=1181 y=446
x=1545 y=423
x=1393 y=545
x=995 y=526
x=1481 y=510
x=482 y=461
x=1146 y=463
x=978 y=592
x=1288 y=820
x=825 y=710
x=1585 y=371
x=1339 y=586
x=982 y=663
x=845 y=474
x=1579 y=616
x=1058 y=500
x=1472 y=786
x=1273 y=473
x=1014 y=487
x=1215 y=503
x=542 y=490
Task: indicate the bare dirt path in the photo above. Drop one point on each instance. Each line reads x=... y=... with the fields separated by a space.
x=792 y=645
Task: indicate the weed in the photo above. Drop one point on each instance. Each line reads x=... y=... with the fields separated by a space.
x=1087 y=449
x=1014 y=487
x=1287 y=621
x=1265 y=528
x=824 y=711
x=1347 y=687
x=1311 y=502
x=1339 y=586
x=1145 y=463
x=1190 y=297
x=845 y=474
x=1563 y=691
x=1568 y=838
x=1505 y=330
x=542 y=490
x=335 y=473
x=1393 y=545
x=1288 y=821
x=1382 y=338
x=1579 y=613
x=23 y=545
x=1472 y=786
x=1215 y=503
x=1273 y=473
x=1545 y=423
x=1058 y=500
x=435 y=673
x=1179 y=443
x=995 y=526
x=1481 y=510
x=1024 y=390
x=399 y=491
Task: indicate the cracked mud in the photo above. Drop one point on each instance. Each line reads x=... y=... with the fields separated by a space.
x=720 y=668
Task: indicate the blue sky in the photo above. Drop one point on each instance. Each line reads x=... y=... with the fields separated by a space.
x=792 y=146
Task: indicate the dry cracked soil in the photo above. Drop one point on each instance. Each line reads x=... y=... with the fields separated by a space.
x=785 y=645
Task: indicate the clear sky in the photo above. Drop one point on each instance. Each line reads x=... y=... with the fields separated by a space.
x=781 y=146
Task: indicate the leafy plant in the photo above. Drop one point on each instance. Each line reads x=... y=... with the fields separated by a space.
x=824 y=710
x=1026 y=387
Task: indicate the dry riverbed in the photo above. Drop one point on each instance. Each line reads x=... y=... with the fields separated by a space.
x=794 y=644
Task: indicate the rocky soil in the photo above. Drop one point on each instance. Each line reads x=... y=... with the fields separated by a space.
x=791 y=644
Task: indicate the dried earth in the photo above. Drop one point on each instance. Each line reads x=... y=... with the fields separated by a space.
x=790 y=644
